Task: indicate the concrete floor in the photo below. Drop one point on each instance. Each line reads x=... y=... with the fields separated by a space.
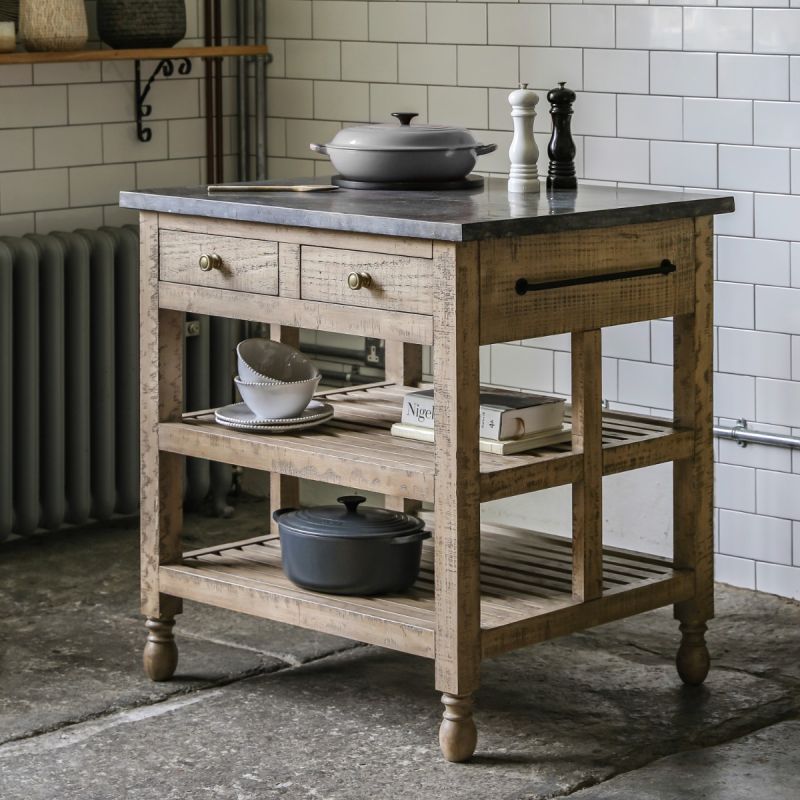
x=259 y=710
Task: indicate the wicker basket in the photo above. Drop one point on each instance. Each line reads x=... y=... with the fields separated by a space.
x=9 y=10
x=53 y=24
x=126 y=24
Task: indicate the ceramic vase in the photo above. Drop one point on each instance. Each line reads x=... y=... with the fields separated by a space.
x=125 y=24
x=8 y=37
x=53 y=24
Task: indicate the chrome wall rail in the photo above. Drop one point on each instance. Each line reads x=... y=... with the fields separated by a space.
x=741 y=434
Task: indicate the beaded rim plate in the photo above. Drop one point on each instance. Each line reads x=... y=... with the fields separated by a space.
x=239 y=415
x=297 y=426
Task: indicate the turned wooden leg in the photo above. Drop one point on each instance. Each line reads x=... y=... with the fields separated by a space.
x=457 y=734
x=160 y=651
x=692 y=659
x=693 y=477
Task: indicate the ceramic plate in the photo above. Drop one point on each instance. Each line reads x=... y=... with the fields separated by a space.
x=238 y=415
x=297 y=426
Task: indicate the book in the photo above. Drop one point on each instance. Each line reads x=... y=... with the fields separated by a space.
x=504 y=414
x=505 y=447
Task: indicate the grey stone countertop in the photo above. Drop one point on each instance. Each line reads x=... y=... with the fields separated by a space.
x=454 y=215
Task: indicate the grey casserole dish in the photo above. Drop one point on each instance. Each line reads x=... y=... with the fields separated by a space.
x=405 y=152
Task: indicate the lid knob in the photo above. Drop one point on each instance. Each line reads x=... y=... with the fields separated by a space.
x=351 y=502
x=405 y=117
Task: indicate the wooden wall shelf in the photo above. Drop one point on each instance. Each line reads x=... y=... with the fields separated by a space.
x=141 y=54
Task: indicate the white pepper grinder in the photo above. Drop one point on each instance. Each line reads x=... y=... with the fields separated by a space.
x=524 y=174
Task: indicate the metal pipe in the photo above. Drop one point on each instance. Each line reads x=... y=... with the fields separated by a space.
x=219 y=174
x=208 y=90
x=242 y=95
x=343 y=378
x=260 y=25
x=338 y=353
x=741 y=434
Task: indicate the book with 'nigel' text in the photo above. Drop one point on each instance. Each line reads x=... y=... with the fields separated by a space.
x=504 y=414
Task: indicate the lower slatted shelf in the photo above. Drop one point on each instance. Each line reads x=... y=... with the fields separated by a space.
x=525 y=592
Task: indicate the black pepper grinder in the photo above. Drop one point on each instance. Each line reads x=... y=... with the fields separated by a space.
x=561 y=149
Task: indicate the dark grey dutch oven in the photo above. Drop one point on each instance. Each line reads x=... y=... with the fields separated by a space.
x=345 y=549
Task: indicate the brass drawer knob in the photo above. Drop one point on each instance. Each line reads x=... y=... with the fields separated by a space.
x=358 y=280
x=209 y=261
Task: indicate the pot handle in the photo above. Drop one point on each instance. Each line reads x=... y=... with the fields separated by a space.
x=418 y=536
x=279 y=512
x=483 y=149
x=319 y=148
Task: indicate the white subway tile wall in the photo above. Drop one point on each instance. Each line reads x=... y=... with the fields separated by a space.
x=702 y=95
x=68 y=133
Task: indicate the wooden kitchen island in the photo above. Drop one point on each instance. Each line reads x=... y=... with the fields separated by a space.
x=454 y=270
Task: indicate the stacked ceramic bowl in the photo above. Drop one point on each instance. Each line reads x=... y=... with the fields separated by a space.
x=277 y=384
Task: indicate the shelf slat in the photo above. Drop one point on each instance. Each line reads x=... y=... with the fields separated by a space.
x=142 y=54
x=526 y=591
x=357 y=449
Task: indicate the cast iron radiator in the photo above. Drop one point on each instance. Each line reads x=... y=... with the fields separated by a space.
x=69 y=406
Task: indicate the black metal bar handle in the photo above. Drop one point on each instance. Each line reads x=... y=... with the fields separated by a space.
x=523 y=286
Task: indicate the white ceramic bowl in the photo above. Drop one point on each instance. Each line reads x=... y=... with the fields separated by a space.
x=277 y=400
x=265 y=361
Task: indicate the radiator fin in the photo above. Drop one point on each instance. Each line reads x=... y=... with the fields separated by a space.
x=6 y=387
x=50 y=255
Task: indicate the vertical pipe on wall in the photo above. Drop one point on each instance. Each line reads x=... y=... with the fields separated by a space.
x=242 y=94
x=219 y=172
x=260 y=25
x=208 y=94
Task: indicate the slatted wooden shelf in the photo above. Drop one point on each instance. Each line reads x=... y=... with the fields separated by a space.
x=357 y=449
x=526 y=591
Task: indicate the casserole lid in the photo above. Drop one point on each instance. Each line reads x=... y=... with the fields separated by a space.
x=348 y=521
x=405 y=136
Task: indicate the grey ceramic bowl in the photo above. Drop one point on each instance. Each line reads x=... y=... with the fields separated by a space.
x=277 y=400
x=265 y=361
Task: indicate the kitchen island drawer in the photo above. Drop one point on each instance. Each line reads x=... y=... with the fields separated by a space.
x=222 y=262
x=535 y=286
x=369 y=280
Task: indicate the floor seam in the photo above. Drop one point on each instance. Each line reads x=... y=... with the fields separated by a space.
x=704 y=744
x=256 y=672
x=133 y=706
x=285 y=658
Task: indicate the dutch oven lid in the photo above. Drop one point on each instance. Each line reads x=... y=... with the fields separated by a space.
x=404 y=136
x=348 y=521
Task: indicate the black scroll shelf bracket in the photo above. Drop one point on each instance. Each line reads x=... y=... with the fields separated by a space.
x=165 y=68
x=523 y=285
